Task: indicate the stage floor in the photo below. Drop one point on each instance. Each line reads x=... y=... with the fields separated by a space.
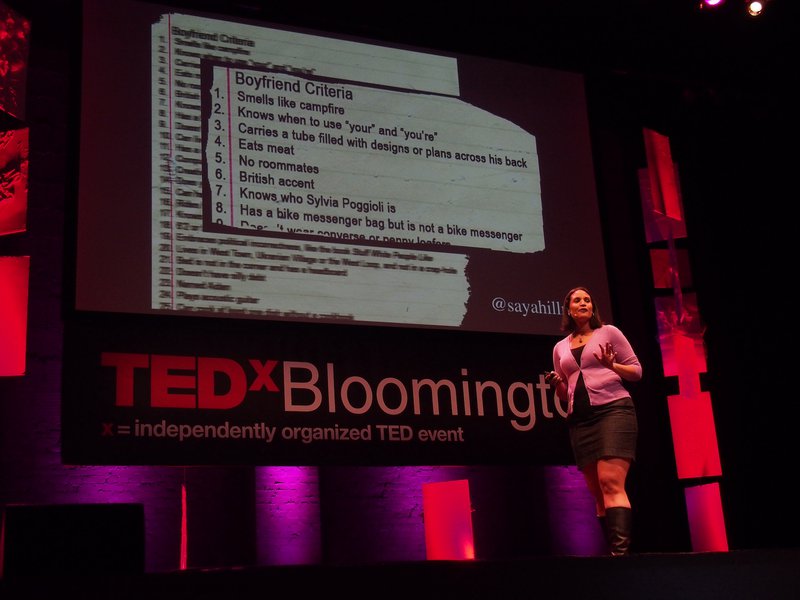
x=745 y=574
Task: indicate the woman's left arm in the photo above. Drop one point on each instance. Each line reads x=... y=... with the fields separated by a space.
x=627 y=372
x=618 y=355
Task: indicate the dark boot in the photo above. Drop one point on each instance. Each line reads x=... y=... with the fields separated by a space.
x=619 y=521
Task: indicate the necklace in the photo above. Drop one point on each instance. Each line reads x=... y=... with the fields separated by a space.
x=581 y=335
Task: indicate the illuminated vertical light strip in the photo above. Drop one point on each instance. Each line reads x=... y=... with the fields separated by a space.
x=288 y=524
x=184 y=553
x=663 y=181
x=14 y=276
x=448 y=520
x=682 y=349
x=14 y=152
x=14 y=46
x=707 y=523
x=14 y=158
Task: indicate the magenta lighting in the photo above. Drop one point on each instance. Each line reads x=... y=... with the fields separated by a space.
x=288 y=515
x=574 y=528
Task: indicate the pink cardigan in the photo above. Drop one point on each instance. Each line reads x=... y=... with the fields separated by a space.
x=602 y=384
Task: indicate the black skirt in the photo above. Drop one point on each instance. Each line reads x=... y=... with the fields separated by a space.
x=609 y=430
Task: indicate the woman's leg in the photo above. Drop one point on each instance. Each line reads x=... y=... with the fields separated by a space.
x=590 y=475
x=611 y=475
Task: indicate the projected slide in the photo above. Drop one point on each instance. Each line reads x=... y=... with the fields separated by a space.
x=299 y=176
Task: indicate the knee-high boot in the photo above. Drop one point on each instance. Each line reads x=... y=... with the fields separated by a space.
x=619 y=521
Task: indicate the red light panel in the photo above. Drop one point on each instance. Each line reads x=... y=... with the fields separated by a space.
x=448 y=520
x=13 y=314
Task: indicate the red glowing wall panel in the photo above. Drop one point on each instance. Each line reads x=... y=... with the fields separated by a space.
x=706 y=520
x=184 y=555
x=13 y=180
x=664 y=269
x=658 y=226
x=448 y=520
x=680 y=337
x=661 y=170
x=14 y=41
x=680 y=334
x=694 y=436
x=13 y=314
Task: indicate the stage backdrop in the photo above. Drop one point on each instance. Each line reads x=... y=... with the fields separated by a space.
x=296 y=248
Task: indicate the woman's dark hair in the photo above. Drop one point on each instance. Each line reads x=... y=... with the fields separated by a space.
x=568 y=323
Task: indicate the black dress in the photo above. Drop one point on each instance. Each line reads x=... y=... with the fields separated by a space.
x=595 y=432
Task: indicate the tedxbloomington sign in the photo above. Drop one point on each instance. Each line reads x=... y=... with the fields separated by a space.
x=185 y=409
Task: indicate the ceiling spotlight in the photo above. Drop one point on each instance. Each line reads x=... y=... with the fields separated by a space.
x=755 y=7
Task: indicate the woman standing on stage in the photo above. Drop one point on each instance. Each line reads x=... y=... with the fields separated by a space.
x=590 y=365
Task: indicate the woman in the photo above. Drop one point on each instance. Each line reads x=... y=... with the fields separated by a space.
x=590 y=365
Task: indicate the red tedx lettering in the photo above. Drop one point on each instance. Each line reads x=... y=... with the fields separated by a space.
x=207 y=370
x=188 y=381
x=264 y=375
x=125 y=364
x=162 y=381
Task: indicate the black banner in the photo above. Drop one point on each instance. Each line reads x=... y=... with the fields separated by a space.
x=185 y=391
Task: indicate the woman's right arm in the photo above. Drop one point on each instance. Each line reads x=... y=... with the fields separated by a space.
x=556 y=378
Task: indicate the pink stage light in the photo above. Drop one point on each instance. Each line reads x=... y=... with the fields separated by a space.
x=15 y=31
x=13 y=181
x=184 y=556
x=289 y=531
x=13 y=314
x=706 y=520
x=694 y=436
x=448 y=520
